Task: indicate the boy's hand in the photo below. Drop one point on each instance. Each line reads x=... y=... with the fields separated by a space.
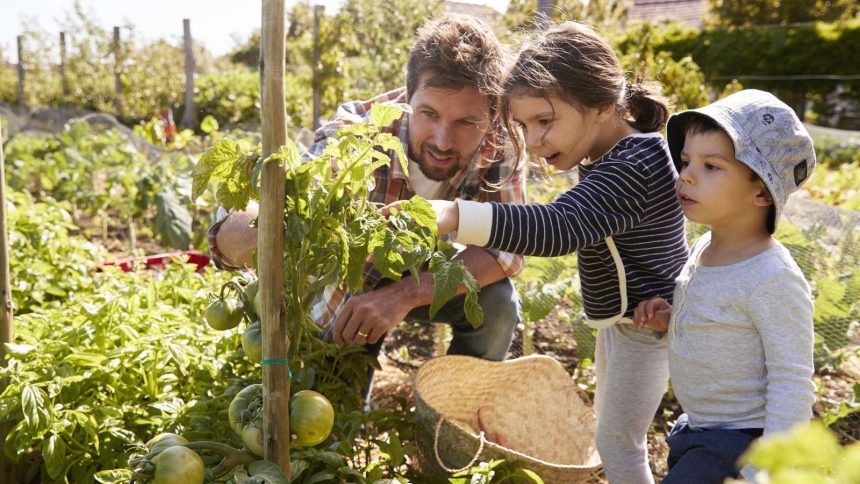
x=653 y=313
x=447 y=214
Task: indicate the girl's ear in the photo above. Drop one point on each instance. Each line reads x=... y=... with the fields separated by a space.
x=605 y=112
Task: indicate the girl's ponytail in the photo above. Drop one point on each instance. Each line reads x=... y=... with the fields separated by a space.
x=646 y=106
x=570 y=60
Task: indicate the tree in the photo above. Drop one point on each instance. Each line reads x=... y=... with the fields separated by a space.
x=604 y=15
x=734 y=13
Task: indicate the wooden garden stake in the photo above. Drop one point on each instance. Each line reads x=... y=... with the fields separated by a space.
x=318 y=13
x=544 y=13
x=6 y=323
x=20 y=70
x=189 y=117
x=270 y=244
x=117 y=85
x=64 y=82
x=8 y=472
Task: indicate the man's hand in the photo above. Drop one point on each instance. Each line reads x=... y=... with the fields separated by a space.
x=365 y=318
x=447 y=214
x=653 y=313
x=236 y=239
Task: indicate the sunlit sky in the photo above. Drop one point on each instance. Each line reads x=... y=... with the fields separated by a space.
x=217 y=24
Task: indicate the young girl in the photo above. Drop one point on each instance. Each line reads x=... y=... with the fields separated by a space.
x=567 y=94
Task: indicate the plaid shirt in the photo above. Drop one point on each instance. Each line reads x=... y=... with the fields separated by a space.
x=392 y=184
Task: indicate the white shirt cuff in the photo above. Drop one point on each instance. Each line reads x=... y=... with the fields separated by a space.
x=476 y=222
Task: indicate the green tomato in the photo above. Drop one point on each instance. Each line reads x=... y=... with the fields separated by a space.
x=251 y=395
x=163 y=441
x=252 y=342
x=258 y=303
x=224 y=314
x=251 y=292
x=252 y=437
x=178 y=465
x=311 y=417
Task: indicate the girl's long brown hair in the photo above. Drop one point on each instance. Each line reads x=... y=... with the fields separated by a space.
x=572 y=62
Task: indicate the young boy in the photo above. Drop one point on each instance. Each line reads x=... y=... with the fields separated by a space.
x=740 y=329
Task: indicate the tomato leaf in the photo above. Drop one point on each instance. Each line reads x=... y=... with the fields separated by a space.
x=447 y=277
x=389 y=142
x=383 y=114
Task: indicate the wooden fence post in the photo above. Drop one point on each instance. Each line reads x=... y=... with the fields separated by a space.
x=8 y=470
x=63 y=81
x=20 y=71
x=270 y=246
x=189 y=117
x=117 y=86
x=318 y=11
x=543 y=14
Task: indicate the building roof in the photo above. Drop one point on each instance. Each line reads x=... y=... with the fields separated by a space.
x=481 y=12
x=688 y=12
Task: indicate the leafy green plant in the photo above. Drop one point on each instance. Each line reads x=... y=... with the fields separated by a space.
x=496 y=471
x=331 y=228
x=807 y=454
x=105 y=179
x=48 y=265
x=112 y=368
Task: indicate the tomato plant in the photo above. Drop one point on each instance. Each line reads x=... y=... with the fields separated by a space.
x=331 y=228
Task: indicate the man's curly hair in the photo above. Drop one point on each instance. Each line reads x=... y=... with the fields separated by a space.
x=458 y=51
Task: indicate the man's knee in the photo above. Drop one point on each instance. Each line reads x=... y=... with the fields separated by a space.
x=500 y=302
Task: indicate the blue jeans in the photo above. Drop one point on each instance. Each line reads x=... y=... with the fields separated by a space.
x=705 y=455
x=490 y=341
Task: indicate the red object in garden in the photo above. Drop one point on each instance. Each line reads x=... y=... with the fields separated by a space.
x=127 y=264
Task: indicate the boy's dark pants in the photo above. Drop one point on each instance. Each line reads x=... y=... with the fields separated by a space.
x=706 y=455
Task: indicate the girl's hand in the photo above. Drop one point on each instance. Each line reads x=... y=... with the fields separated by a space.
x=447 y=214
x=653 y=313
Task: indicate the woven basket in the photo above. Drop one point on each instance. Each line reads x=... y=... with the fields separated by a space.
x=531 y=403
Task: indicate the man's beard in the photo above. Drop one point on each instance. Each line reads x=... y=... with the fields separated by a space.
x=437 y=173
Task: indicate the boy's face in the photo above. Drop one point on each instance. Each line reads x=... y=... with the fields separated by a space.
x=716 y=189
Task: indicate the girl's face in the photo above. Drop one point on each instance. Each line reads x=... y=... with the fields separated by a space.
x=557 y=131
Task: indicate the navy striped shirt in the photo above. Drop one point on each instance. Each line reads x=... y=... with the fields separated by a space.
x=628 y=193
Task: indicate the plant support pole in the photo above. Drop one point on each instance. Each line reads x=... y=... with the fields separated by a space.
x=6 y=323
x=63 y=81
x=117 y=87
x=543 y=14
x=318 y=12
x=189 y=117
x=8 y=471
x=270 y=244
x=20 y=71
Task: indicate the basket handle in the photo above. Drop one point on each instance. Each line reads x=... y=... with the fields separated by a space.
x=439 y=459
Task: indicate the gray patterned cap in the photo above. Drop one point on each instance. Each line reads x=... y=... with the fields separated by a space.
x=767 y=136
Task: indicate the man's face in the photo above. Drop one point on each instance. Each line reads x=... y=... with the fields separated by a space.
x=446 y=129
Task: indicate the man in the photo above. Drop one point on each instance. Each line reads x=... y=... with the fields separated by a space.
x=457 y=148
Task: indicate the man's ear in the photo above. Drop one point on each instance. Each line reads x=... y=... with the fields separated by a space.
x=763 y=198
